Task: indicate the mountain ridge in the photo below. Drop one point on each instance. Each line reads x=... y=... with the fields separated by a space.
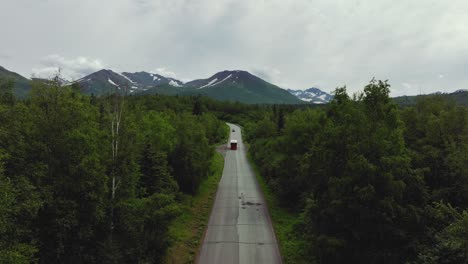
x=107 y=81
x=233 y=85
x=22 y=84
x=312 y=95
x=242 y=86
x=236 y=85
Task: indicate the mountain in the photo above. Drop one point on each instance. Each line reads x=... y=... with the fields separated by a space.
x=240 y=86
x=459 y=97
x=312 y=95
x=22 y=84
x=108 y=81
x=150 y=79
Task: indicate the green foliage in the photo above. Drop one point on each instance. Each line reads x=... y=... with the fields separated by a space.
x=358 y=181
x=453 y=242
x=191 y=157
x=366 y=184
x=142 y=227
x=15 y=246
x=437 y=133
x=293 y=246
x=370 y=182
x=20 y=86
x=6 y=91
x=458 y=97
x=450 y=243
x=188 y=228
x=72 y=177
x=57 y=203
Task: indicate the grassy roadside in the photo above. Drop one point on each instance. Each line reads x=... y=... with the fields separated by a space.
x=187 y=230
x=283 y=223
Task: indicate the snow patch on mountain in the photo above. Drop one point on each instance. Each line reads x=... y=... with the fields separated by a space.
x=323 y=96
x=209 y=84
x=215 y=82
x=222 y=80
x=312 y=95
x=111 y=82
x=121 y=74
x=174 y=83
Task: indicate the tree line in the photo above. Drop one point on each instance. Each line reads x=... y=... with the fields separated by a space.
x=87 y=179
x=97 y=180
x=370 y=182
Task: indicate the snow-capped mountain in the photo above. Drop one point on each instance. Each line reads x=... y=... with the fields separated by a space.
x=108 y=81
x=150 y=79
x=240 y=86
x=224 y=77
x=312 y=95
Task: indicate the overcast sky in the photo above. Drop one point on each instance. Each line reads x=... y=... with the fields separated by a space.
x=418 y=45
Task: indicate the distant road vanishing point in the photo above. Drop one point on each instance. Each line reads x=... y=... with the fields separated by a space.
x=239 y=229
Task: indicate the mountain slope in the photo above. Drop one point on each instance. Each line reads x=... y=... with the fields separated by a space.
x=168 y=89
x=22 y=85
x=150 y=79
x=312 y=95
x=241 y=86
x=226 y=85
x=105 y=82
x=108 y=81
x=460 y=97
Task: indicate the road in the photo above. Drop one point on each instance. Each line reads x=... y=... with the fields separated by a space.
x=239 y=229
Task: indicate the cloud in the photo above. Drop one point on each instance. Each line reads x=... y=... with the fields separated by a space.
x=5 y=55
x=164 y=72
x=70 y=69
x=321 y=43
x=272 y=75
x=408 y=89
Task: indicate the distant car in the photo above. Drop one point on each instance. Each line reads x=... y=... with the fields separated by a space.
x=233 y=130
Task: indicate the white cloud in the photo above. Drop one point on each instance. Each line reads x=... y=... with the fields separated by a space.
x=5 y=55
x=324 y=43
x=70 y=69
x=408 y=89
x=272 y=75
x=406 y=85
x=164 y=72
x=46 y=72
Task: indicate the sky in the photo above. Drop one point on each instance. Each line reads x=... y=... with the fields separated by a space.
x=419 y=46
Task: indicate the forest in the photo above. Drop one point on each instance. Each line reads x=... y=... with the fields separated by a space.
x=87 y=179
x=369 y=182
x=97 y=180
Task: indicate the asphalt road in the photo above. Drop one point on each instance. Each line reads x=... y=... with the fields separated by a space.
x=239 y=229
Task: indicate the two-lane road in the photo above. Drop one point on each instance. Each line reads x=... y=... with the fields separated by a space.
x=239 y=229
